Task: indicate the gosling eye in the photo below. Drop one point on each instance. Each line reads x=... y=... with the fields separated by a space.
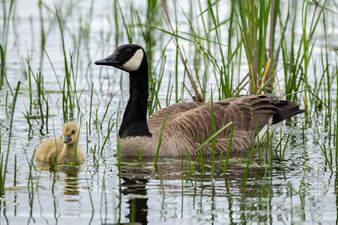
x=73 y=131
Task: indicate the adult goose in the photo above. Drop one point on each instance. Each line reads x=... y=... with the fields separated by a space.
x=182 y=128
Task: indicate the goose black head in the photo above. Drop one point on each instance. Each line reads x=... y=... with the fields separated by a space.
x=127 y=57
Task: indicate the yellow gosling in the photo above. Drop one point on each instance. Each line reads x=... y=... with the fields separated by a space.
x=63 y=150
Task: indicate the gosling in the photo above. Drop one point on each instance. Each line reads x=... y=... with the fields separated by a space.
x=63 y=150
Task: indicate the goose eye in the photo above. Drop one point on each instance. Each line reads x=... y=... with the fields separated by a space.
x=73 y=132
x=129 y=50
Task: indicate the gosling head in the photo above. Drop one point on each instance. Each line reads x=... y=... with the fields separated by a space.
x=127 y=57
x=70 y=133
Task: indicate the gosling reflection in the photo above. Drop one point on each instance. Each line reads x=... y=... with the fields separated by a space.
x=71 y=180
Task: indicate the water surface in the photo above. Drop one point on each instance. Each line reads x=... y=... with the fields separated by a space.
x=299 y=189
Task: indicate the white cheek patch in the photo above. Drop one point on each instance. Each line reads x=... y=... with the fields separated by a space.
x=134 y=62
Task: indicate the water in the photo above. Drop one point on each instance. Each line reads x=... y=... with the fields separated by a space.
x=300 y=189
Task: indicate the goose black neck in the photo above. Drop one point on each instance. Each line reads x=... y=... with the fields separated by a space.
x=134 y=121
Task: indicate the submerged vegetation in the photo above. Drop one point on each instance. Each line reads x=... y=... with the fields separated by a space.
x=203 y=50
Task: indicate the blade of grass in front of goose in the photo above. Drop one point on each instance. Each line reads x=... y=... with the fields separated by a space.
x=160 y=139
x=213 y=136
x=227 y=156
x=200 y=150
x=213 y=140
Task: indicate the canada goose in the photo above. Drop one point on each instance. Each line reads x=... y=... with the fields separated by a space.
x=62 y=150
x=187 y=125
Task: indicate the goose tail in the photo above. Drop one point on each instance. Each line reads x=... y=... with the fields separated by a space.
x=285 y=110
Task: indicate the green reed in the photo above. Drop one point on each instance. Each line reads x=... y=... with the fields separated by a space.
x=90 y=108
x=110 y=128
x=8 y=11
x=101 y=121
x=69 y=87
x=39 y=99
x=42 y=33
x=336 y=122
x=4 y=158
x=2 y=64
x=15 y=171
x=213 y=140
x=212 y=47
x=160 y=139
x=154 y=102
x=253 y=17
x=2 y=184
x=128 y=29
x=152 y=19
x=228 y=152
x=223 y=69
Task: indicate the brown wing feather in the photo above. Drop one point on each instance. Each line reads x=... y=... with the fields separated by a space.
x=156 y=119
x=192 y=121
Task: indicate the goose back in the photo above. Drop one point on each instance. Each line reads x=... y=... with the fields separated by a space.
x=189 y=124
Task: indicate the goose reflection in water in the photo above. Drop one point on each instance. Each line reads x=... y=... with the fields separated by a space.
x=186 y=180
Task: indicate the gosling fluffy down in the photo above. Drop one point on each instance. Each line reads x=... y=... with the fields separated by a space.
x=63 y=150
